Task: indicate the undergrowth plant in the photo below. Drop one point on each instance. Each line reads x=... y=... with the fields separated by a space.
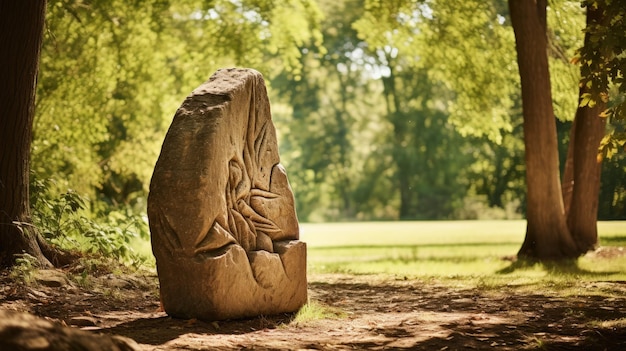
x=67 y=221
x=24 y=268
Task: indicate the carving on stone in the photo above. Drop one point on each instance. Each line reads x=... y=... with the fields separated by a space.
x=222 y=214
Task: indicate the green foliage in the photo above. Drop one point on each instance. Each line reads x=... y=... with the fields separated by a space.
x=112 y=74
x=612 y=202
x=65 y=221
x=24 y=268
x=437 y=77
x=565 y=20
x=331 y=127
x=478 y=70
x=54 y=217
x=102 y=94
x=603 y=65
x=384 y=109
x=442 y=117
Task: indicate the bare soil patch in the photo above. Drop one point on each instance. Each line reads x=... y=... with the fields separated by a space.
x=366 y=312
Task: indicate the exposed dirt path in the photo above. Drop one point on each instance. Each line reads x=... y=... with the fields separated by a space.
x=364 y=313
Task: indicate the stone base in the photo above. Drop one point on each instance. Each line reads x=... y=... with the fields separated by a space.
x=234 y=285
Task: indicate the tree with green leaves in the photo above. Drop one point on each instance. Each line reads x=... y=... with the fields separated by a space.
x=127 y=66
x=418 y=99
x=114 y=72
x=581 y=178
x=472 y=55
x=330 y=149
x=577 y=204
x=111 y=76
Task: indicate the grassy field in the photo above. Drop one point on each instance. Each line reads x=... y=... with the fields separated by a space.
x=444 y=249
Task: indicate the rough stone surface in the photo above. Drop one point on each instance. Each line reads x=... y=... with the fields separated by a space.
x=24 y=332
x=221 y=211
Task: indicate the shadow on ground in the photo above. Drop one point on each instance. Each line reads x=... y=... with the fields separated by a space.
x=412 y=315
x=162 y=329
x=369 y=313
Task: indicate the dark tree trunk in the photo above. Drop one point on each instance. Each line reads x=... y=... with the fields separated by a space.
x=583 y=210
x=547 y=235
x=587 y=132
x=567 y=182
x=21 y=31
x=343 y=178
x=400 y=157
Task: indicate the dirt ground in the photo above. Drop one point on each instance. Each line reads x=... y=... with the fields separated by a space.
x=364 y=312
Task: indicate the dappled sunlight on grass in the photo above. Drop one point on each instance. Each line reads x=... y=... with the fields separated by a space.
x=315 y=311
x=412 y=232
x=476 y=251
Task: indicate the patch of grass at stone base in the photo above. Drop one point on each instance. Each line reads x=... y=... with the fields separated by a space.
x=314 y=311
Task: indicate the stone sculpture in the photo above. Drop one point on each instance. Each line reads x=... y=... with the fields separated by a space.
x=222 y=216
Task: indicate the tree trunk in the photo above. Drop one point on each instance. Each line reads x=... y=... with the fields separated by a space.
x=588 y=130
x=547 y=235
x=567 y=182
x=394 y=113
x=583 y=210
x=21 y=31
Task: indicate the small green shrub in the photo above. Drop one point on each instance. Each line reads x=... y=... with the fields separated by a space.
x=67 y=221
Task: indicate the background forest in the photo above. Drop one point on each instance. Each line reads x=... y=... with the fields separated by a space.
x=405 y=110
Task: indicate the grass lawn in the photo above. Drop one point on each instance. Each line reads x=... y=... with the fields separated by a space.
x=474 y=250
x=446 y=250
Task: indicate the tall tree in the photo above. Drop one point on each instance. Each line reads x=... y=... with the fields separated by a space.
x=547 y=234
x=602 y=73
x=428 y=177
x=332 y=128
x=21 y=30
x=582 y=170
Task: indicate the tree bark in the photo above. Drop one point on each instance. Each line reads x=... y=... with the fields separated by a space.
x=21 y=32
x=547 y=235
x=588 y=130
x=394 y=112
x=567 y=181
x=583 y=210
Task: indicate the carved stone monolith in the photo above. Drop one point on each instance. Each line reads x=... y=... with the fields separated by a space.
x=222 y=216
